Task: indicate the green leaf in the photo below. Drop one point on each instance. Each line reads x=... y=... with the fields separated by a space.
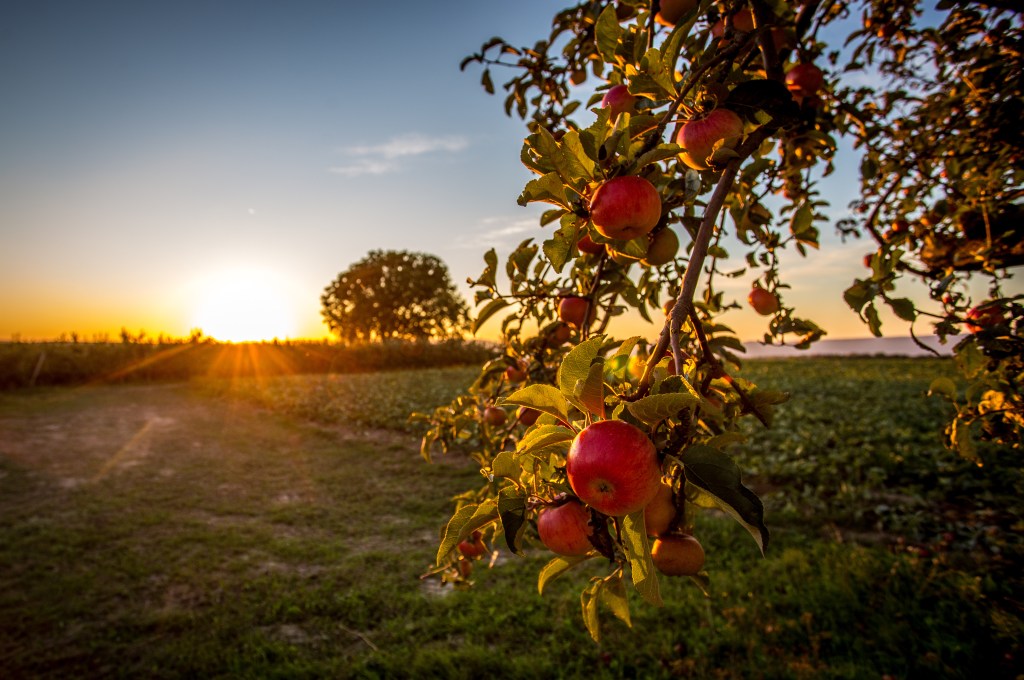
x=512 y=513
x=547 y=188
x=589 y=600
x=655 y=408
x=559 y=247
x=556 y=568
x=543 y=436
x=608 y=32
x=588 y=394
x=903 y=308
x=638 y=551
x=544 y=398
x=874 y=323
x=717 y=474
x=579 y=163
x=576 y=364
x=464 y=522
x=505 y=465
x=613 y=596
x=492 y=308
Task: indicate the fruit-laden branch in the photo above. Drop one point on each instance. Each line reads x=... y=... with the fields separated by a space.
x=684 y=301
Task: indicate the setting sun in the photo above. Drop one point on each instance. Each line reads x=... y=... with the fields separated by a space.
x=243 y=306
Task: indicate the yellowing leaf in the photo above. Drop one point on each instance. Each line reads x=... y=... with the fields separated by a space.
x=638 y=550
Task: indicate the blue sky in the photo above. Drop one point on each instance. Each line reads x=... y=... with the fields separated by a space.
x=156 y=156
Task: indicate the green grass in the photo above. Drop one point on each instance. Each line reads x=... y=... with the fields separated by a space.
x=168 y=531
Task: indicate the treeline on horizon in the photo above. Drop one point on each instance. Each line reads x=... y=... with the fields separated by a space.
x=161 y=359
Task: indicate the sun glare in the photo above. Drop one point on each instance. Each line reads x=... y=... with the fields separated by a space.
x=244 y=306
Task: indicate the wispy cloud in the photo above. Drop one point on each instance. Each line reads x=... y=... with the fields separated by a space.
x=502 y=231
x=383 y=158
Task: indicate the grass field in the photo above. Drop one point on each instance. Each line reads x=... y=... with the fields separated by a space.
x=278 y=528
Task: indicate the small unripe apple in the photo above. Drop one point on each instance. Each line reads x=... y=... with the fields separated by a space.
x=625 y=208
x=526 y=415
x=618 y=100
x=613 y=467
x=984 y=316
x=565 y=529
x=585 y=244
x=804 y=80
x=678 y=555
x=671 y=11
x=763 y=301
x=698 y=137
x=573 y=310
x=659 y=513
x=495 y=416
x=663 y=248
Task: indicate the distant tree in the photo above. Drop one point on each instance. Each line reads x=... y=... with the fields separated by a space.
x=392 y=294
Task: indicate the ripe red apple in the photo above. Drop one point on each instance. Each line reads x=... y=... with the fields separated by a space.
x=763 y=302
x=678 y=555
x=663 y=248
x=804 y=80
x=565 y=529
x=560 y=334
x=473 y=548
x=585 y=244
x=515 y=374
x=526 y=415
x=613 y=467
x=618 y=100
x=572 y=310
x=698 y=137
x=494 y=416
x=660 y=512
x=625 y=208
x=984 y=316
x=465 y=568
x=671 y=11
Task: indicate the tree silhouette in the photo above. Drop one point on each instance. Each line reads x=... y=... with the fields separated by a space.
x=392 y=294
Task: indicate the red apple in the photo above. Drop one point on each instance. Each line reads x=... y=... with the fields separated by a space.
x=565 y=529
x=678 y=555
x=625 y=208
x=526 y=415
x=804 y=80
x=984 y=316
x=515 y=374
x=560 y=334
x=660 y=512
x=698 y=137
x=613 y=467
x=494 y=416
x=618 y=100
x=763 y=302
x=586 y=245
x=663 y=248
x=465 y=568
x=671 y=11
x=572 y=310
x=474 y=548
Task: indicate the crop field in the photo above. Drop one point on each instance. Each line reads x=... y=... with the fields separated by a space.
x=279 y=527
